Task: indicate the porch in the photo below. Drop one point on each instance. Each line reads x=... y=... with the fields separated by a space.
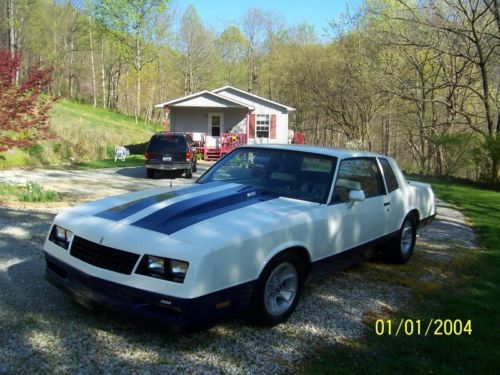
x=213 y=147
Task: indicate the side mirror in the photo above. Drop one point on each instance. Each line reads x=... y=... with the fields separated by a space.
x=356 y=195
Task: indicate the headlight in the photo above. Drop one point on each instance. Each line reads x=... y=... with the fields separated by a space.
x=163 y=268
x=60 y=236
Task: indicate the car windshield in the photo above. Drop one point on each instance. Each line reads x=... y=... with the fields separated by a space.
x=293 y=174
x=161 y=143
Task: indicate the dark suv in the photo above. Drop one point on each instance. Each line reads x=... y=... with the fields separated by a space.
x=170 y=152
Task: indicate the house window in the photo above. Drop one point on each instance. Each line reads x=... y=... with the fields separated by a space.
x=262 y=128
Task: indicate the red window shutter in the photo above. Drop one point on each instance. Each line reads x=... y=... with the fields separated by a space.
x=251 y=126
x=272 y=130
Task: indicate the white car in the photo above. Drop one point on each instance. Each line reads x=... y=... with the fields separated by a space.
x=244 y=237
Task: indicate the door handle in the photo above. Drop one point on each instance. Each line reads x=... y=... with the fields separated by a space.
x=387 y=204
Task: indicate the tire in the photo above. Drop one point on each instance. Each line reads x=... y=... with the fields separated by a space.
x=278 y=290
x=189 y=172
x=150 y=173
x=401 y=248
x=195 y=167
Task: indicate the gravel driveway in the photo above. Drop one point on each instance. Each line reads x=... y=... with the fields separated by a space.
x=42 y=330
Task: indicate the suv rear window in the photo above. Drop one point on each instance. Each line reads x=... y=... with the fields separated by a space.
x=160 y=143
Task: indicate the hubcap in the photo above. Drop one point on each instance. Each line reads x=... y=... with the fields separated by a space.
x=406 y=237
x=281 y=289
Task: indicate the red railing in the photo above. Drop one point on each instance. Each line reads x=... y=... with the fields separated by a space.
x=226 y=143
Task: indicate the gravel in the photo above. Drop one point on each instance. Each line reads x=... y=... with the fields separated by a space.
x=42 y=330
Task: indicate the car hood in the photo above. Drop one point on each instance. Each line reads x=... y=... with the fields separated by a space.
x=198 y=213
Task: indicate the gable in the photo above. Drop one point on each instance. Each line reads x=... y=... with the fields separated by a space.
x=261 y=104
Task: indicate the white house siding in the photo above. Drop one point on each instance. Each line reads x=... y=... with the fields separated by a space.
x=266 y=108
x=193 y=119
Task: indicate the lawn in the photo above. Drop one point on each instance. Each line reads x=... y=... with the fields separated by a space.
x=80 y=132
x=474 y=294
x=131 y=161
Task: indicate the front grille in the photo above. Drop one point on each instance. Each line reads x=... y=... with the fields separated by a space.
x=103 y=256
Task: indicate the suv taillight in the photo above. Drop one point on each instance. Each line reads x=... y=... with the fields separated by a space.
x=188 y=155
x=146 y=156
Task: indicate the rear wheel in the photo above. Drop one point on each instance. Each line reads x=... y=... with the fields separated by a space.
x=278 y=290
x=401 y=247
x=189 y=172
x=150 y=172
x=195 y=166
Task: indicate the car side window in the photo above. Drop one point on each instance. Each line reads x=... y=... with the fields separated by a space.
x=390 y=178
x=358 y=174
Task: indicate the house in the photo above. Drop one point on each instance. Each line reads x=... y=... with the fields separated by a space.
x=225 y=118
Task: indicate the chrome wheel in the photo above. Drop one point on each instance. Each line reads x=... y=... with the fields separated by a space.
x=407 y=236
x=281 y=289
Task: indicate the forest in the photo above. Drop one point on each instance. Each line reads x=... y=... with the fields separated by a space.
x=417 y=80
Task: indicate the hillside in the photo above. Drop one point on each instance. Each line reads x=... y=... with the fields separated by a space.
x=80 y=132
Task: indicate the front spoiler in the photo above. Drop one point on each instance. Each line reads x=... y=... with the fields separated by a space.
x=93 y=292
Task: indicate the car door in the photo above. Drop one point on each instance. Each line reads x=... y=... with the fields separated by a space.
x=395 y=208
x=353 y=223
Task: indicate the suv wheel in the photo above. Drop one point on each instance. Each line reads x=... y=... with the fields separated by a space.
x=189 y=172
x=195 y=166
x=150 y=173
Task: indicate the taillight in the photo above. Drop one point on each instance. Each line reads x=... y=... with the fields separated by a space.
x=146 y=156
x=188 y=155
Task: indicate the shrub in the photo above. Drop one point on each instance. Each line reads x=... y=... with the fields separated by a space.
x=34 y=192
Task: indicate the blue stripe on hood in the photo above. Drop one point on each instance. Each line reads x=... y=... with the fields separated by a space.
x=125 y=210
x=191 y=211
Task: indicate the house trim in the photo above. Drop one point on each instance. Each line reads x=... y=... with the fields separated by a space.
x=290 y=109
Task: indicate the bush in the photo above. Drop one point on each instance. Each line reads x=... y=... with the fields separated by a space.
x=34 y=192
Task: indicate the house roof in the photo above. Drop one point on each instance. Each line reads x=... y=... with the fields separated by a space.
x=212 y=99
x=207 y=98
x=253 y=96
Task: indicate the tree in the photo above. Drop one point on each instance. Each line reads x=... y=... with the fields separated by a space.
x=23 y=111
x=231 y=46
x=195 y=47
x=139 y=24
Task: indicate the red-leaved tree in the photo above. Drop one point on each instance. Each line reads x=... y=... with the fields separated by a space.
x=23 y=110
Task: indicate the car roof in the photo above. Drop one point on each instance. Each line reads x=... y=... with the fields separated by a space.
x=330 y=151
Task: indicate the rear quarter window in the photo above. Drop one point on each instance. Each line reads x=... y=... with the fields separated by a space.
x=390 y=177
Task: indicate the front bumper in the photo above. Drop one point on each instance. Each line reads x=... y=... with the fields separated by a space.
x=93 y=292
x=168 y=166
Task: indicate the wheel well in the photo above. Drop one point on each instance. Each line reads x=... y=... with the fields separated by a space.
x=304 y=256
x=415 y=214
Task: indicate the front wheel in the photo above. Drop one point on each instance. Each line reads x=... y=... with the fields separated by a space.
x=278 y=290
x=401 y=247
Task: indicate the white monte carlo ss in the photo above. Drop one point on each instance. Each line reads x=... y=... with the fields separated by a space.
x=243 y=238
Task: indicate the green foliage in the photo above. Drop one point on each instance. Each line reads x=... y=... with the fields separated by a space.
x=81 y=132
x=474 y=296
x=34 y=192
x=31 y=192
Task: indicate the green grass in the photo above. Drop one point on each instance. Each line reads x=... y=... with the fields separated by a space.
x=473 y=294
x=131 y=161
x=81 y=132
x=30 y=192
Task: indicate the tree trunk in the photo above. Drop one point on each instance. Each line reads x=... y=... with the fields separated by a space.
x=94 y=95
x=103 y=75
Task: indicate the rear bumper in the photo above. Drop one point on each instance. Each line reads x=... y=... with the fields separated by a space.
x=93 y=292
x=168 y=166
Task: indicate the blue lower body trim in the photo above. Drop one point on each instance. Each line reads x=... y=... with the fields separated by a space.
x=180 y=312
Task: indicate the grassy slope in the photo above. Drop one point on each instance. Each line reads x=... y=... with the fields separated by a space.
x=82 y=132
x=475 y=295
